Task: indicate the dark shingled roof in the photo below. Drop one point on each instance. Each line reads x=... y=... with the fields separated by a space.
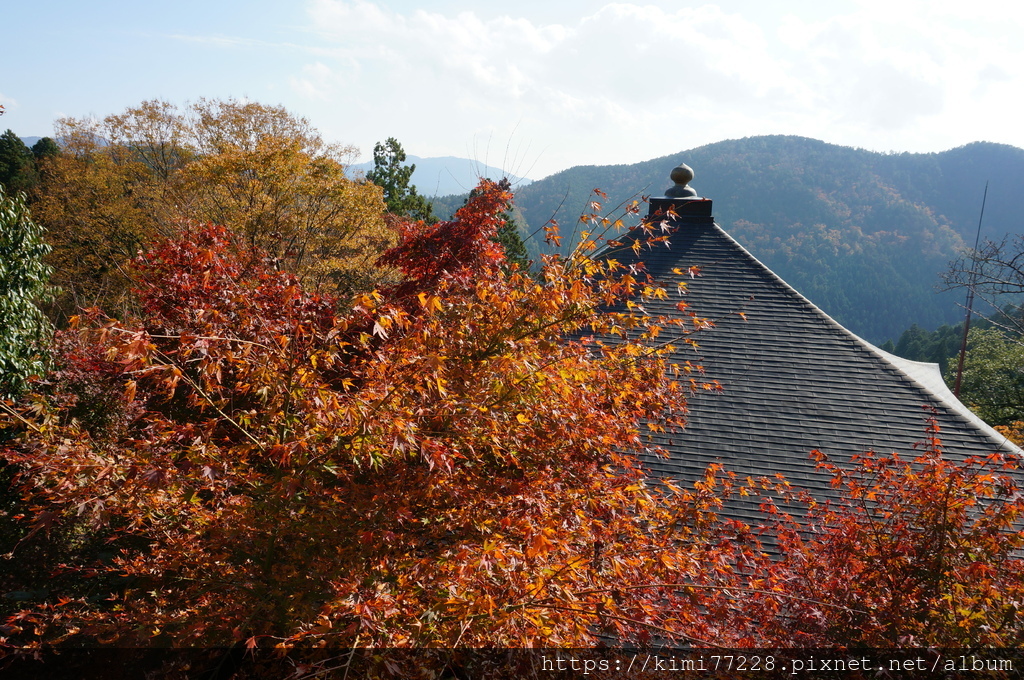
x=793 y=379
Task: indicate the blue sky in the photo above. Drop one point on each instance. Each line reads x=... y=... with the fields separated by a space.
x=537 y=86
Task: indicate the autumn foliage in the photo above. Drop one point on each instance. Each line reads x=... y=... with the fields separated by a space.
x=437 y=466
x=916 y=551
x=451 y=462
x=122 y=182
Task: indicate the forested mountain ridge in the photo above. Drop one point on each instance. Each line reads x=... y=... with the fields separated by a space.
x=863 y=234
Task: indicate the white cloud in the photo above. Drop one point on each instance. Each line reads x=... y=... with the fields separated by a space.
x=627 y=81
x=319 y=81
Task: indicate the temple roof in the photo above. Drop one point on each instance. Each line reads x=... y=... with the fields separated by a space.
x=792 y=378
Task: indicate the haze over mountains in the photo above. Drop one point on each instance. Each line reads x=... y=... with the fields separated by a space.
x=448 y=175
x=438 y=176
x=863 y=235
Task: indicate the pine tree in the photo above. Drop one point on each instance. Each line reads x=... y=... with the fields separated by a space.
x=17 y=172
x=509 y=238
x=45 y=148
x=393 y=177
x=509 y=235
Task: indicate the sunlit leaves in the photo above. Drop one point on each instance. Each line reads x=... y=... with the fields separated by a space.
x=155 y=169
x=917 y=551
x=448 y=462
x=24 y=330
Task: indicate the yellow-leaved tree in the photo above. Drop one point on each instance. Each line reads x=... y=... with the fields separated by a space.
x=159 y=170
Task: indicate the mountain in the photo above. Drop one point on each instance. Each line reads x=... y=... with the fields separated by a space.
x=449 y=175
x=864 y=235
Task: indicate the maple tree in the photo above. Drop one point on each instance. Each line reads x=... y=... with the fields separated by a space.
x=437 y=466
x=918 y=551
x=449 y=462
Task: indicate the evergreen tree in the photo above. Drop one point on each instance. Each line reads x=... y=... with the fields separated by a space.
x=509 y=238
x=941 y=346
x=24 y=329
x=17 y=172
x=393 y=177
x=45 y=148
x=509 y=235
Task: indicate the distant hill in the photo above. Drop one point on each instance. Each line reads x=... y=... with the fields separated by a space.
x=449 y=175
x=864 y=235
x=439 y=176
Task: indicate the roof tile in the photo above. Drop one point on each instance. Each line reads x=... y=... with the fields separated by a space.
x=793 y=379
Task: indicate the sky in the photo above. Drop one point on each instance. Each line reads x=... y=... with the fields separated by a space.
x=537 y=86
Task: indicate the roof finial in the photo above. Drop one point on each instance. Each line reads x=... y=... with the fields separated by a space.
x=680 y=202
x=682 y=175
